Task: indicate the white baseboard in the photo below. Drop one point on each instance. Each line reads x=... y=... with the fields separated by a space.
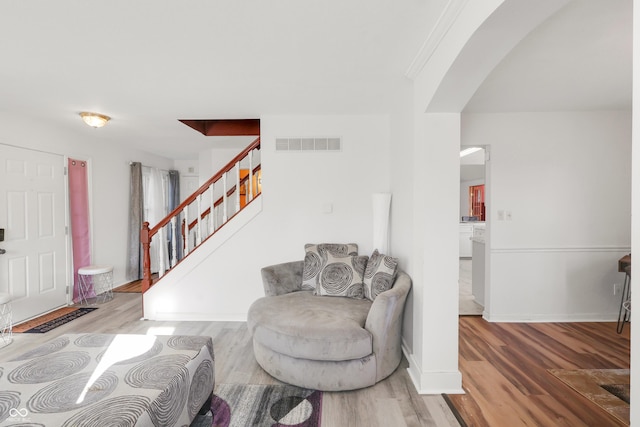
x=432 y=382
x=550 y=318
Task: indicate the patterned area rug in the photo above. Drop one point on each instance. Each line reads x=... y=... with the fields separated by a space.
x=240 y=405
x=607 y=388
x=52 y=320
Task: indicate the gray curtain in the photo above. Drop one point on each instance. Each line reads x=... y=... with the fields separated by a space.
x=174 y=202
x=134 y=249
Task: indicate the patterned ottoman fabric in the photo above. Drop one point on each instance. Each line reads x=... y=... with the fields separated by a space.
x=108 y=380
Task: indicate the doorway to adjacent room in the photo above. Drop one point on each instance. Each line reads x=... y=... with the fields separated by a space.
x=472 y=225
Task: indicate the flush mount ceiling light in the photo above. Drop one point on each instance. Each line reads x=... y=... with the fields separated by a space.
x=94 y=119
x=469 y=150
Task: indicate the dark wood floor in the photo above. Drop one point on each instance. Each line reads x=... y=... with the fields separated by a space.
x=131 y=287
x=504 y=368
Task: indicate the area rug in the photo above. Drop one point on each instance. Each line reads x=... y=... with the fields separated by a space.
x=607 y=388
x=240 y=405
x=49 y=321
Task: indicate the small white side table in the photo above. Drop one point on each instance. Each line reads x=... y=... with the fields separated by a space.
x=6 y=325
x=96 y=284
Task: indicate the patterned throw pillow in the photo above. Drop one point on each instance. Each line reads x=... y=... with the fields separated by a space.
x=316 y=258
x=342 y=276
x=379 y=275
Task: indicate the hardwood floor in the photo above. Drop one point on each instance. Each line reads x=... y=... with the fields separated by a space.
x=504 y=368
x=393 y=402
x=133 y=287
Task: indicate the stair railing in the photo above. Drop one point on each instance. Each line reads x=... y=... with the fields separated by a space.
x=203 y=213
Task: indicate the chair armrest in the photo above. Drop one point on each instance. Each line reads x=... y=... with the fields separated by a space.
x=282 y=278
x=384 y=322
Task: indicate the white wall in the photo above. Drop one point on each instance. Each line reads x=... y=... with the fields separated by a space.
x=109 y=177
x=566 y=179
x=297 y=188
x=189 y=177
x=212 y=160
x=635 y=229
x=428 y=226
x=402 y=229
x=447 y=71
x=433 y=363
x=187 y=167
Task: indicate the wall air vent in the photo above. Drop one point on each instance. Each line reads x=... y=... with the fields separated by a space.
x=308 y=144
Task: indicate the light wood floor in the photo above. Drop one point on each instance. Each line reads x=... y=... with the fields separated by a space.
x=391 y=403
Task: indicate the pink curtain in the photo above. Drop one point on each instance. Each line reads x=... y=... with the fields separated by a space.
x=79 y=212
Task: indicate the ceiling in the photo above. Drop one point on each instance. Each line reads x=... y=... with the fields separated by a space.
x=148 y=63
x=579 y=59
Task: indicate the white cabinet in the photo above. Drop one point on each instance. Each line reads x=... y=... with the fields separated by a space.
x=477 y=265
x=477 y=271
x=466 y=234
x=470 y=231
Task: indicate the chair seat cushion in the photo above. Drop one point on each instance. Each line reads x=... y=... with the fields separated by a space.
x=307 y=326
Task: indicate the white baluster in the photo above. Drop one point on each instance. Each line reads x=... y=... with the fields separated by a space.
x=212 y=224
x=250 y=192
x=174 y=249
x=215 y=217
x=224 y=198
x=186 y=229
x=199 y=218
x=237 y=187
x=161 y=241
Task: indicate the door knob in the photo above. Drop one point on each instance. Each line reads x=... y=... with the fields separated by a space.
x=3 y=251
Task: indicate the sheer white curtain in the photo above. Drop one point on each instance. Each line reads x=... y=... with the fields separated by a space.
x=156 y=201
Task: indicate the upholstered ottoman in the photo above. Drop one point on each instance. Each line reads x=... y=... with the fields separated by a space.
x=108 y=380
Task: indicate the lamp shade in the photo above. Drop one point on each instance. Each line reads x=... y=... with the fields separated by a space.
x=95 y=120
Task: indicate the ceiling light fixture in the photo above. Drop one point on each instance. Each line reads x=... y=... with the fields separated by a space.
x=469 y=150
x=94 y=119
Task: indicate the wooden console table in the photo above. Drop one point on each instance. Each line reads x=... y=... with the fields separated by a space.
x=624 y=315
x=624 y=262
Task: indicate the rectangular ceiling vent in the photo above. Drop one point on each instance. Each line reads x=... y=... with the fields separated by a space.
x=308 y=144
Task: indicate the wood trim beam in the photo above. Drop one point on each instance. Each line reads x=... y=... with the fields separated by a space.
x=228 y=127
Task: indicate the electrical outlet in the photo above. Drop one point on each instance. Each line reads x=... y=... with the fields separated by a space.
x=617 y=288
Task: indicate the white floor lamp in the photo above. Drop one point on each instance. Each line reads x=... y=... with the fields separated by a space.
x=381 y=209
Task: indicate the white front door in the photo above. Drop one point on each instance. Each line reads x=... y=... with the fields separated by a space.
x=32 y=213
